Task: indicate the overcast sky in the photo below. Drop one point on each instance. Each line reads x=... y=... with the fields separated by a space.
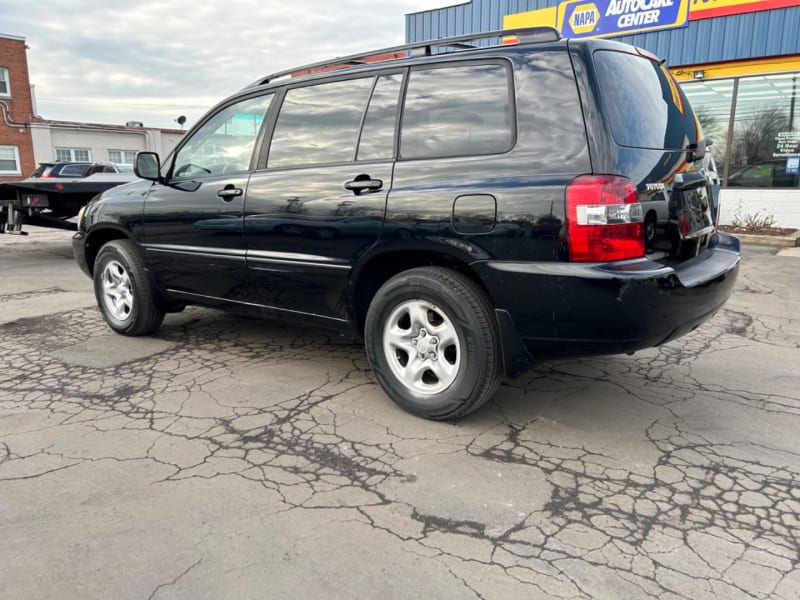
x=103 y=61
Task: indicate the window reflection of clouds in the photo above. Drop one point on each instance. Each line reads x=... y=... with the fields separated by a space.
x=457 y=111
x=633 y=98
x=226 y=140
x=377 y=137
x=319 y=124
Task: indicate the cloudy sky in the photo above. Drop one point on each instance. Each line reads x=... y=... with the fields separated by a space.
x=106 y=61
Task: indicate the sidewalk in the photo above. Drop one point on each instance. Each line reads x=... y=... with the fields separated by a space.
x=776 y=241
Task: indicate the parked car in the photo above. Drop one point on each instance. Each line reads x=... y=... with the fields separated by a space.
x=764 y=174
x=66 y=169
x=75 y=170
x=467 y=211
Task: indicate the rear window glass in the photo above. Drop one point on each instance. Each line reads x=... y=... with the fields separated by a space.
x=644 y=104
x=72 y=170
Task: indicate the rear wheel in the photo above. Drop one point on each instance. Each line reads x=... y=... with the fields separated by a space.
x=432 y=342
x=123 y=291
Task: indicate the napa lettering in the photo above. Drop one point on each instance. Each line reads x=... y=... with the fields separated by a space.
x=635 y=13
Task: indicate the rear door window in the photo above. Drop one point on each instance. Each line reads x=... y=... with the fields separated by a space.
x=319 y=124
x=644 y=104
x=377 y=135
x=461 y=110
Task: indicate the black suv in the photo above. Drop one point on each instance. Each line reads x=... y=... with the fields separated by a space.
x=467 y=209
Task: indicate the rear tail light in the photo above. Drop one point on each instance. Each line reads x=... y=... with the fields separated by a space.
x=683 y=224
x=604 y=219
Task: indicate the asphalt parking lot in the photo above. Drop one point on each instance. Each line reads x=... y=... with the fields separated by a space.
x=234 y=458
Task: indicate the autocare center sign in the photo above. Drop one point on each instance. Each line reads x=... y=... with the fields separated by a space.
x=604 y=18
x=608 y=18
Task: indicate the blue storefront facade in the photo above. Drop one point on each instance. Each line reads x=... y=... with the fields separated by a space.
x=738 y=62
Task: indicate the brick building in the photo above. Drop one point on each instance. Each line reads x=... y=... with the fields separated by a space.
x=16 y=110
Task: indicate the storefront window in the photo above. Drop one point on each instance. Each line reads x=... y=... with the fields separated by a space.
x=765 y=141
x=711 y=101
x=766 y=135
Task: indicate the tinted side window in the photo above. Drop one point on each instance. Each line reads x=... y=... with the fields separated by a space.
x=224 y=143
x=645 y=106
x=319 y=124
x=458 y=111
x=377 y=136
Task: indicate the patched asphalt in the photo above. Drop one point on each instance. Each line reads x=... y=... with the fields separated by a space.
x=227 y=457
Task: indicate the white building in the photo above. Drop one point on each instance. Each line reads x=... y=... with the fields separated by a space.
x=65 y=140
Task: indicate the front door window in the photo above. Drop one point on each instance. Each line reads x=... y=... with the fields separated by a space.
x=224 y=144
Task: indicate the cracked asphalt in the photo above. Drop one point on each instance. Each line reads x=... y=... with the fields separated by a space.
x=234 y=458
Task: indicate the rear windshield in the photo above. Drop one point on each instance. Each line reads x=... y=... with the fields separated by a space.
x=643 y=102
x=72 y=170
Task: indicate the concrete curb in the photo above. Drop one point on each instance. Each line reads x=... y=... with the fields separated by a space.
x=775 y=241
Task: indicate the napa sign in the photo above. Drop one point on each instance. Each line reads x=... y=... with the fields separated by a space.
x=606 y=18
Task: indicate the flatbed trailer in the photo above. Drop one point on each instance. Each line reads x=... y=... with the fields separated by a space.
x=51 y=202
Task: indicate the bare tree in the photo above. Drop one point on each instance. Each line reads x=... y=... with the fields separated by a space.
x=754 y=136
x=712 y=127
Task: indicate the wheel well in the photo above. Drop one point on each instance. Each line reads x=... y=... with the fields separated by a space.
x=96 y=240
x=382 y=268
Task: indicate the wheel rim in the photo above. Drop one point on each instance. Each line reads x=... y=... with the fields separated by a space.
x=650 y=229
x=422 y=347
x=117 y=291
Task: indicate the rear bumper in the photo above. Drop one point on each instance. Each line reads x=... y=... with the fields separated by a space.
x=569 y=309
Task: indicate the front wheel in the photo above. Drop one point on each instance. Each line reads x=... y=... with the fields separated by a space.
x=432 y=342
x=123 y=291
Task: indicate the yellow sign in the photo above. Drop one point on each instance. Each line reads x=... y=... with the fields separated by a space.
x=544 y=17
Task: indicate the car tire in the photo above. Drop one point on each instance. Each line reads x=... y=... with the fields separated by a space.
x=432 y=343
x=650 y=225
x=123 y=290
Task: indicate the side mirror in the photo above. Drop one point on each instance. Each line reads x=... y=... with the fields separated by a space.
x=148 y=166
x=698 y=150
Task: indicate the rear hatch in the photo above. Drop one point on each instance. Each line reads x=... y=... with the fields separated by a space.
x=656 y=142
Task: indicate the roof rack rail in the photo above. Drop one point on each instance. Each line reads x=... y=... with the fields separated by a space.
x=461 y=42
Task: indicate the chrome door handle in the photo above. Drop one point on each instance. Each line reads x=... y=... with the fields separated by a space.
x=363 y=183
x=229 y=192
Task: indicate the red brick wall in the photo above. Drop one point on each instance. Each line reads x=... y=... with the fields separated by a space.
x=20 y=106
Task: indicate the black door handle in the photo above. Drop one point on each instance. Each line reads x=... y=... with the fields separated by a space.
x=363 y=183
x=229 y=192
